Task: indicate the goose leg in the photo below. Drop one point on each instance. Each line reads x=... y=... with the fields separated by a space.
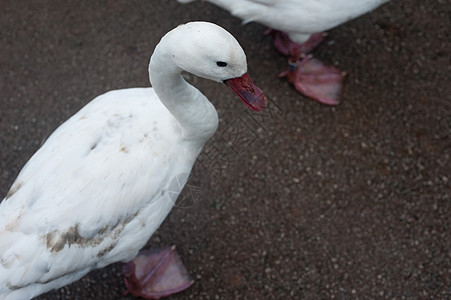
x=294 y=51
x=156 y=273
x=309 y=76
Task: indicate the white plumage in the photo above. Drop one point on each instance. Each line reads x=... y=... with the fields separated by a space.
x=104 y=181
x=298 y=18
x=298 y=25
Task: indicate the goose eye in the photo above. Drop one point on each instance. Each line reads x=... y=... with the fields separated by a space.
x=221 y=64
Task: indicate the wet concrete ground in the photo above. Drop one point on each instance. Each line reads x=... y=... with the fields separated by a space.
x=302 y=201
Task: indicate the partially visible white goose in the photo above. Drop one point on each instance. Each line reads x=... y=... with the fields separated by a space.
x=104 y=181
x=302 y=20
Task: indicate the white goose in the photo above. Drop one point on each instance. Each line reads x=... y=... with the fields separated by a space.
x=302 y=20
x=101 y=184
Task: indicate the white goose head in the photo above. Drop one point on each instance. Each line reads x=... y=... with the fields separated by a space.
x=208 y=51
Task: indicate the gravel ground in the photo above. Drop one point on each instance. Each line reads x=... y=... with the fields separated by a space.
x=302 y=201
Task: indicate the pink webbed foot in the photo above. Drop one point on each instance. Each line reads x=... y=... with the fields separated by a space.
x=308 y=75
x=283 y=43
x=156 y=273
x=294 y=51
x=316 y=80
x=314 y=40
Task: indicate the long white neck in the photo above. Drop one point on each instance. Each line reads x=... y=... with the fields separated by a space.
x=196 y=116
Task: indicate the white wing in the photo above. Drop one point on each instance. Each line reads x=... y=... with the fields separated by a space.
x=73 y=200
x=299 y=18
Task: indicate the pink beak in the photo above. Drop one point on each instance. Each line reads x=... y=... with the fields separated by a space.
x=248 y=92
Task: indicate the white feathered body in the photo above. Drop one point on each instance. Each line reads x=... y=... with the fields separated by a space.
x=93 y=194
x=299 y=18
